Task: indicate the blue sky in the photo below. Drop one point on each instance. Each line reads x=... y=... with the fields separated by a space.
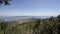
x=31 y=8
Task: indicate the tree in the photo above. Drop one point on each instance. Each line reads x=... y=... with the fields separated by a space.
x=35 y=28
x=6 y=2
x=3 y=26
x=58 y=17
x=58 y=25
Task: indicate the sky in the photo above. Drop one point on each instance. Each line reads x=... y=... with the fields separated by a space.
x=31 y=8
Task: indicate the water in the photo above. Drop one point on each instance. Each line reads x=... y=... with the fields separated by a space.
x=21 y=17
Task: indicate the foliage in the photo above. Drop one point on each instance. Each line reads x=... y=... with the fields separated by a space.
x=38 y=26
x=6 y=2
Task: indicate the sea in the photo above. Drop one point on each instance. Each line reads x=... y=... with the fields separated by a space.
x=21 y=17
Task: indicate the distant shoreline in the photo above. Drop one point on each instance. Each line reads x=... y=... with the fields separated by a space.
x=13 y=18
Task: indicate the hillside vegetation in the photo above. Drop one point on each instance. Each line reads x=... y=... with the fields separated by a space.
x=37 y=26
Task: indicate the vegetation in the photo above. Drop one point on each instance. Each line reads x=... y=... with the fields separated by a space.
x=38 y=26
x=6 y=2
